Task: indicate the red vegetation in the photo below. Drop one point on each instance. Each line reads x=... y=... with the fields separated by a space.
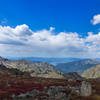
x=12 y=85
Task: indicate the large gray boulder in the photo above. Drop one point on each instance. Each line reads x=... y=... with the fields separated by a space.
x=86 y=89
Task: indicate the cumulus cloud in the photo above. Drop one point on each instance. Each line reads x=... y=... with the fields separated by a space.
x=96 y=19
x=22 y=41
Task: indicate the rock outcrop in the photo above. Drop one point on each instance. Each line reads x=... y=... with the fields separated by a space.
x=86 y=89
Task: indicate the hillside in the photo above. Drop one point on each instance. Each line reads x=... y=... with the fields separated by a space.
x=77 y=66
x=73 y=75
x=12 y=71
x=41 y=69
x=93 y=72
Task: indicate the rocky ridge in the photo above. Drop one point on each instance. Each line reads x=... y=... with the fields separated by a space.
x=41 y=69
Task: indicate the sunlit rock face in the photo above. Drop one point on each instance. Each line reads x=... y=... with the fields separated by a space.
x=93 y=72
x=41 y=69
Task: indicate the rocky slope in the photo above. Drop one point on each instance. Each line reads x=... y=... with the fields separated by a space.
x=35 y=69
x=12 y=71
x=73 y=75
x=77 y=66
x=93 y=72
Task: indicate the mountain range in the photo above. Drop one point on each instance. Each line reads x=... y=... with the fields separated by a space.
x=53 y=61
x=70 y=69
x=41 y=69
x=77 y=66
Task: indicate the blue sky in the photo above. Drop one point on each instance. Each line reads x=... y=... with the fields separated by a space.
x=50 y=28
x=64 y=15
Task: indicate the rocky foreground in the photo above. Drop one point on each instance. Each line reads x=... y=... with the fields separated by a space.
x=32 y=88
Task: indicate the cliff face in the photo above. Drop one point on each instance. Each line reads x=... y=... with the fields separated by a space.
x=93 y=72
x=35 y=69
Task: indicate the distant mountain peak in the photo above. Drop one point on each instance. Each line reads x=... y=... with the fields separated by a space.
x=77 y=66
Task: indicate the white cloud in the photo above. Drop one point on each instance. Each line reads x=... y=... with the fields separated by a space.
x=22 y=41
x=96 y=19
